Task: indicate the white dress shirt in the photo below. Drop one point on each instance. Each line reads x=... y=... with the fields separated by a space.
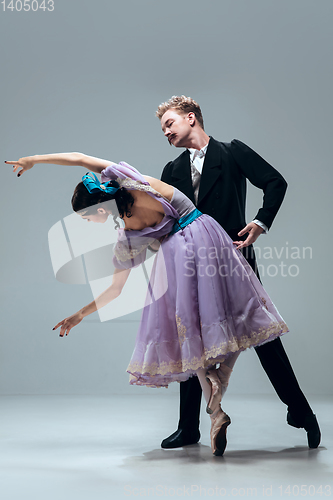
x=197 y=158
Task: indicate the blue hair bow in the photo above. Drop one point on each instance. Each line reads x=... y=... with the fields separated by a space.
x=93 y=184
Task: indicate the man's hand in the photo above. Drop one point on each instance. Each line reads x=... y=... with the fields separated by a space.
x=254 y=232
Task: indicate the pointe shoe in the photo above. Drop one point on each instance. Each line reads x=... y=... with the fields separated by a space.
x=216 y=394
x=218 y=432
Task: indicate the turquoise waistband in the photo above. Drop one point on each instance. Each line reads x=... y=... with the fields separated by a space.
x=185 y=221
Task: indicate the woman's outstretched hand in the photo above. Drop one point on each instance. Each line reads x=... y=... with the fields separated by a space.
x=24 y=164
x=68 y=323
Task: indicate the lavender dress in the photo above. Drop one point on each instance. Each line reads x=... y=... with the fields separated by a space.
x=211 y=304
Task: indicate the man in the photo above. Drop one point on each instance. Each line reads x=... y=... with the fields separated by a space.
x=213 y=175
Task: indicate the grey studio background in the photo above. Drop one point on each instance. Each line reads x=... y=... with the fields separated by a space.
x=88 y=77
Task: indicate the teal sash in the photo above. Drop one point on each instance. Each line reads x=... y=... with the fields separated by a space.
x=185 y=220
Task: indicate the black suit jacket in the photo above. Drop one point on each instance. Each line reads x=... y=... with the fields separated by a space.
x=222 y=192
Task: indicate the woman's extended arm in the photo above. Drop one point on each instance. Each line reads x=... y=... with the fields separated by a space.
x=161 y=187
x=71 y=159
x=118 y=281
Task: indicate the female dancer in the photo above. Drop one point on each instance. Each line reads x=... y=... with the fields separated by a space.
x=213 y=306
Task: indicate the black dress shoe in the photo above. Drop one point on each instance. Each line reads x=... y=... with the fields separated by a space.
x=311 y=426
x=181 y=438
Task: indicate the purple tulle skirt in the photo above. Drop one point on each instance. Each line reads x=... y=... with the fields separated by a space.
x=209 y=304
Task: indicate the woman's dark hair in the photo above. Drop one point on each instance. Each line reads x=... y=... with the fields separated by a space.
x=85 y=202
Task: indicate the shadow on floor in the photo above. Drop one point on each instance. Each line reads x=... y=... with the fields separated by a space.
x=201 y=453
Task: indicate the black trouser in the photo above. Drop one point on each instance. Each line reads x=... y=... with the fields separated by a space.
x=276 y=364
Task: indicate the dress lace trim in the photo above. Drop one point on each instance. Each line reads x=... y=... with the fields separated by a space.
x=215 y=354
x=181 y=329
x=129 y=183
x=123 y=253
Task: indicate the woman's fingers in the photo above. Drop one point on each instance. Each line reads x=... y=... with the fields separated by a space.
x=14 y=163
x=55 y=327
x=62 y=329
x=24 y=164
x=68 y=323
x=66 y=327
x=16 y=166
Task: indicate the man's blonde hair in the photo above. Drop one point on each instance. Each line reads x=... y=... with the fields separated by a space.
x=181 y=104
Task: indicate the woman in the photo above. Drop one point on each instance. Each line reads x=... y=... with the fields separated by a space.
x=204 y=303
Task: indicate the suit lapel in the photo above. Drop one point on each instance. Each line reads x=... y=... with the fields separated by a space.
x=181 y=175
x=211 y=169
x=181 y=172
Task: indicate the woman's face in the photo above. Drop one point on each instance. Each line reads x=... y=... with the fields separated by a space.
x=99 y=217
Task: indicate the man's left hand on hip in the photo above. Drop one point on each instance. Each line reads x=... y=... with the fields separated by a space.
x=254 y=232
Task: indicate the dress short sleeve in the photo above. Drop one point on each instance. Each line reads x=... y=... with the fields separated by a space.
x=122 y=170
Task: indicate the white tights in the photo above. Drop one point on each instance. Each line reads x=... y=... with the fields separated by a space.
x=224 y=372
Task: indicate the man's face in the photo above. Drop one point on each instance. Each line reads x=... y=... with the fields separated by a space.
x=177 y=128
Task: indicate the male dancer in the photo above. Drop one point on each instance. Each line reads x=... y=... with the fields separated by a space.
x=213 y=175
